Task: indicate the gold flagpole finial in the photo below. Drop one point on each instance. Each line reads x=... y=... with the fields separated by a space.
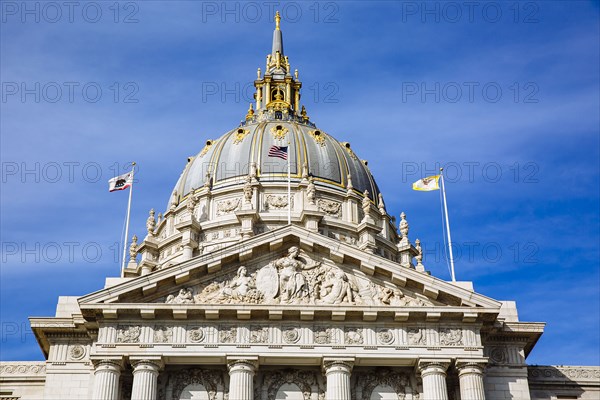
x=277 y=20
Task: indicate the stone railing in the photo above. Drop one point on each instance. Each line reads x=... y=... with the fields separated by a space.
x=548 y=373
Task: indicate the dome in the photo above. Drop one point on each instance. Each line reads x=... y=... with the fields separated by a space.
x=245 y=150
x=275 y=169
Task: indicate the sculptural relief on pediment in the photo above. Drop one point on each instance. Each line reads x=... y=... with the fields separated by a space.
x=294 y=278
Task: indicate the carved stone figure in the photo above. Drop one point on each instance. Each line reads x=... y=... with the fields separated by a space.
x=311 y=191
x=259 y=334
x=174 y=198
x=353 y=336
x=239 y=286
x=151 y=223
x=128 y=334
x=381 y=205
x=404 y=226
x=133 y=248
x=336 y=288
x=450 y=336
x=207 y=180
x=416 y=337
x=323 y=335
x=366 y=203
x=192 y=201
x=252 y=171
x=292 y=283
x=248 y=190
x=305 y=171
x=349 y=184
x=163 y=334
x=228 y=334
x=184 y=297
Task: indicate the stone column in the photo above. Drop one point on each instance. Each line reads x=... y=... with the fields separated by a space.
x=106 y=379
x=470 y=376
x=337 y=372
x=241 y=379
x=145 y=376
x=433 y=373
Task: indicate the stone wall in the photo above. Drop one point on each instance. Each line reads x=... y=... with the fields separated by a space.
x=22 y=380
x=564 y=382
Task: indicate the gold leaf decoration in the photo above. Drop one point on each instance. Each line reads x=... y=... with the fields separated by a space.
x=240 y=135
x=279 y=132
x=207 y=147
x=318 y=136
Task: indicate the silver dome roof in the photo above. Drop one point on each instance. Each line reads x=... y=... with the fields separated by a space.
x=228 y=160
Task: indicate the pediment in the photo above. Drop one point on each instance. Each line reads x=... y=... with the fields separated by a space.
x=289 y=276
x=289 y=267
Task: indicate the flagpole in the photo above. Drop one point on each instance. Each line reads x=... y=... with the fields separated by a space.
x=447 y=225
x=127 y=223
x=289 y=156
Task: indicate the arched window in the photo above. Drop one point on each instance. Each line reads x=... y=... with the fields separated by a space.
x=278 y=115
x=384 y=392
x=195 y=391
x=289 y=391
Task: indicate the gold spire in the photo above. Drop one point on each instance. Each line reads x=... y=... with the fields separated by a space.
x=277 y=20
x=250 y=114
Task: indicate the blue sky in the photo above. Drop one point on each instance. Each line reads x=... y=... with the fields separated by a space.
x=504 y=95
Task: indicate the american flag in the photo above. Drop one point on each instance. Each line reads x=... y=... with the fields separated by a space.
x=278 y=151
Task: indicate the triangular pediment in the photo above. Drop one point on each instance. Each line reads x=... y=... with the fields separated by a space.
x=291 y=268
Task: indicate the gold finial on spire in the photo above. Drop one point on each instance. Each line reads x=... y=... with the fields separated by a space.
x=277 y=20
x=250 y=114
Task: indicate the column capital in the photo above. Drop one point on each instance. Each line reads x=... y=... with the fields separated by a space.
x=108 y=363
x=338 y=364
x=246 y=364
x=471 y=365
x=153 y=364
x=428 y=366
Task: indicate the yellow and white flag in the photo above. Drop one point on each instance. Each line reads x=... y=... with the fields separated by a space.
x=427 y=184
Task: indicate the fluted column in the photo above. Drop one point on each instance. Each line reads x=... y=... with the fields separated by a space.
x=241 y=379
x=433 y=374
x=145 y=376
x=337 y=372
x=106 y=379
x=470 y=376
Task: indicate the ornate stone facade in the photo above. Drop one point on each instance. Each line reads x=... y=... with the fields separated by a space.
x=229 y=301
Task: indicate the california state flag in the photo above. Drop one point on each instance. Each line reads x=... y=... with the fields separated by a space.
x=427 y=184
x=120 y=182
